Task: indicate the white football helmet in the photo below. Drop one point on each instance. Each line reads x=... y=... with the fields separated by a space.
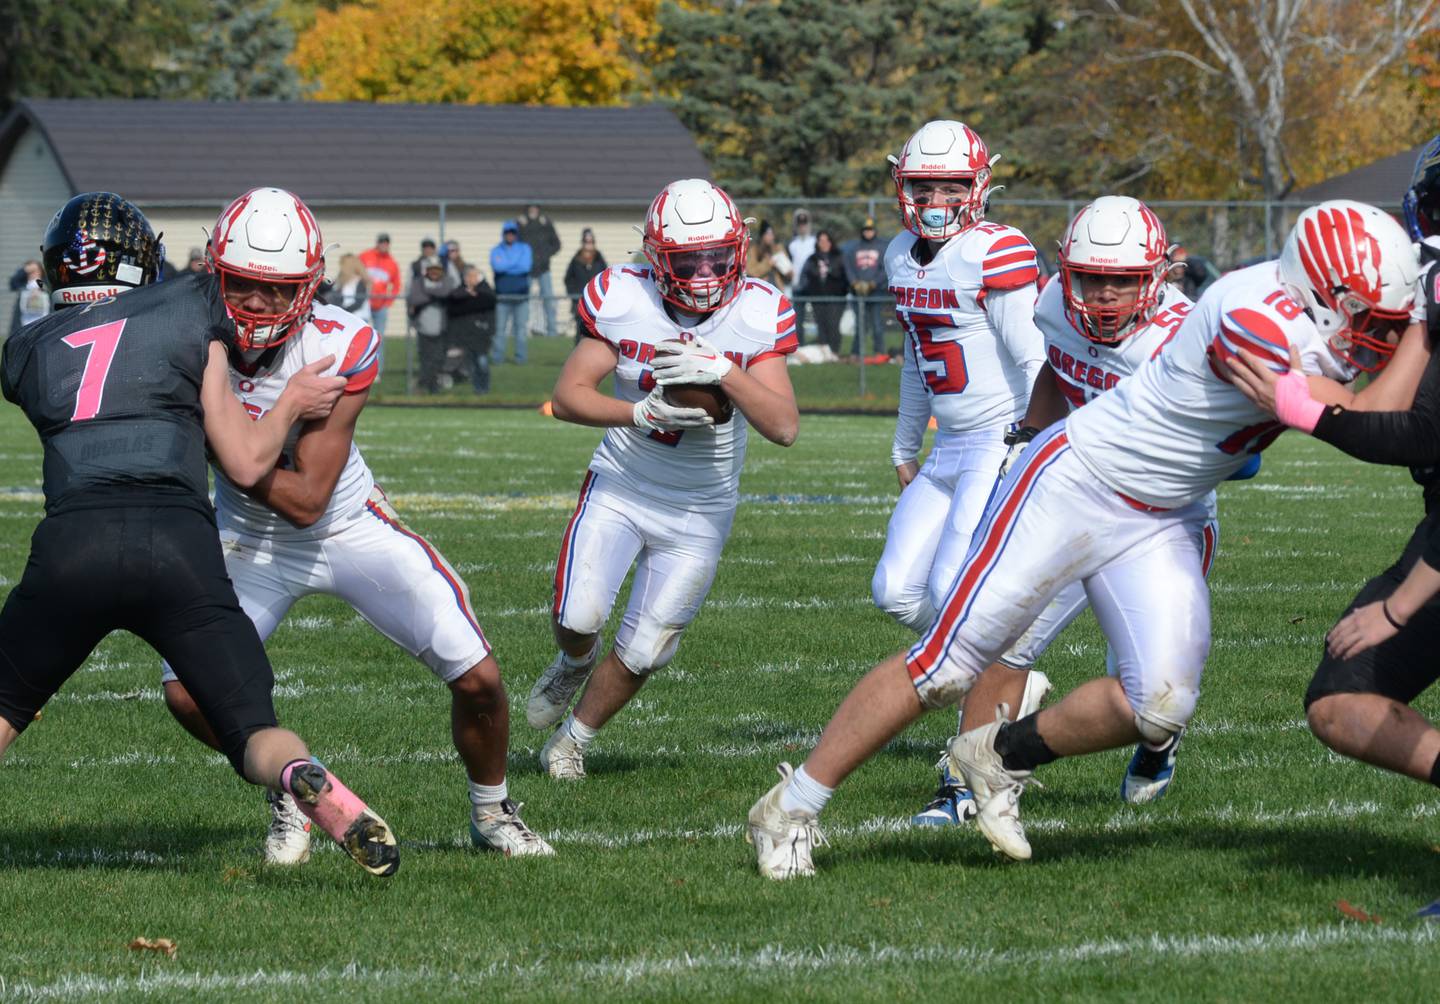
x=696 y=242
x=1113 y=236
x=269 y=235
x=1354 y=269
x=941 y=150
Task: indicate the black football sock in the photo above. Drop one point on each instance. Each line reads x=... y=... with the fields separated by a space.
x=1020 y=746
x=1435 y=772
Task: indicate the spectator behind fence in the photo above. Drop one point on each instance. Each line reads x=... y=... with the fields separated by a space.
x=824 y=280
x=197 y=261
x=801 y=247
x=34 y=302
x=511 y=261
x=586 y=265
x=766 y=260
x=383 y=272
x=865 y=270
x=17 y=282
x=427 y=250
x=472 y=325
x=455 y=263
x=428 y=299
x=350 y=291
x=537 y=231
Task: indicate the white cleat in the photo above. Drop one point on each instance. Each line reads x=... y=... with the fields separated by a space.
x=500 y=828
x=783 y=841
x=561 y=758
x=287 y=842
x=551 y=696
x=995 y=789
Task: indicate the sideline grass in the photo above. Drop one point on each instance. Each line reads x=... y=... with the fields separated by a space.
x=116 y=825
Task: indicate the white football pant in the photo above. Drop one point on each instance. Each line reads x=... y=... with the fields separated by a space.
x=675 y=552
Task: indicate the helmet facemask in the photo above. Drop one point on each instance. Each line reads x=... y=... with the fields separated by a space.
x=290 y=301
x=938 y=217
x=1370 y=334
x=701 y=277
x=1134 y=296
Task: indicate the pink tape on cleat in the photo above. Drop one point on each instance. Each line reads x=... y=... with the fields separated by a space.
x=339 y=812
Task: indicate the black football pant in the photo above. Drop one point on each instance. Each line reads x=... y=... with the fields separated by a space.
x=1402 y=667
x=155 y=571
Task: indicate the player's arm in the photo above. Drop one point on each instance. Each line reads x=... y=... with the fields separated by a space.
x=911 y=420
x=1410 y=438
x=301 y=493
x=1368 y=626
x=246 y=450
x=577 y=397
x=1047 y=404
x=1012 y=312
x=763 y=393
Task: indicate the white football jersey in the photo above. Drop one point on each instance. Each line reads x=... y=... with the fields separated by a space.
x=1084 y=369
x=356 y=348
x=1178 y=428
x=969 y=365
x=622 y=307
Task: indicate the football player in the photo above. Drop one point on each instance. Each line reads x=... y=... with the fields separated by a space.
x=1110 y=498
x=318 y=523
x=1382 y=654
x=662 y=486
x=1112 y=310
x=126 y=387
x=965 y=296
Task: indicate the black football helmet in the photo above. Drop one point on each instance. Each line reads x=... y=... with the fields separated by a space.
x=98 y=245
x=1422 y=199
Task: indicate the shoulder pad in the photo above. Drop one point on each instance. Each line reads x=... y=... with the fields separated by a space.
x=767 y=316
x=355 y=344
x=1009 y=261
x=610 y=296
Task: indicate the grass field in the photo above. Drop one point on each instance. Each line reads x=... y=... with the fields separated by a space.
x=116 y=825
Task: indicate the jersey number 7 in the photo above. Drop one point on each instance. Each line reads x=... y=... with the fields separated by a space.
x=942 y=364
x=102 y=342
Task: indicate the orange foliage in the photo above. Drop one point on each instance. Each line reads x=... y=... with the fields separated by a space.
x=544 y=52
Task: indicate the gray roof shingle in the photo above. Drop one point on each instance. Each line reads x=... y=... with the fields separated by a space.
x=195 y=150
x=1382 y=182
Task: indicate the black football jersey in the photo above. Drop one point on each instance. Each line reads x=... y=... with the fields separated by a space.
x=113 y=389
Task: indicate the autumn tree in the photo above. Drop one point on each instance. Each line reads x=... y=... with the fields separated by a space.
x=1250 y=98
x=554 y=52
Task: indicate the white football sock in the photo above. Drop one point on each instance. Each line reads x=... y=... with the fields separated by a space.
x=580 y=733
x=488 y=794
x=805 y=794
x=571 y=662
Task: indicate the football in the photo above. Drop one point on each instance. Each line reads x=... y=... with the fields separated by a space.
x=702 y=395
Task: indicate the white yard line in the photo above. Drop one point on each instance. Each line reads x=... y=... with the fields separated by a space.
x=774 y=960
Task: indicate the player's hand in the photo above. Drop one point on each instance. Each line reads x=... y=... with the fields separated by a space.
x=1017 y=440
x=692 y=361
x=657 y=414
x=1284 y=395
x=1360 y=629
x=313 y=395
x=906 y=473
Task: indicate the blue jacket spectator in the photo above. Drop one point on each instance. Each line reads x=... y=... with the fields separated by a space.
x=511 y=261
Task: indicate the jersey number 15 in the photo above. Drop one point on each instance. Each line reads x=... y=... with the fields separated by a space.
x=942 y=364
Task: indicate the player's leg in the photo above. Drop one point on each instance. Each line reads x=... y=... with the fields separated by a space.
x=56 y=615
x=402 y=585
x=1025 y=540
x=1011 y=683
x=672 y=577
x=1360 y=707
x=189 y=614
x=266 y=596
x=600 y=543
x=900 y=585
x=1152 y=766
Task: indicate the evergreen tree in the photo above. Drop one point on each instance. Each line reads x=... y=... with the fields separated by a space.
x=806 y=97
x=240 y=52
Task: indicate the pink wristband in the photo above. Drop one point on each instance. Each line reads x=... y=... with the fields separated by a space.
x=1293 y=404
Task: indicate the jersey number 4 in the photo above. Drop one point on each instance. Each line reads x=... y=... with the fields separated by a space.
x=942 y=364
x=102 y=341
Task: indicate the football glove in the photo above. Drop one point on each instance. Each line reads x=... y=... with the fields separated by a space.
x=1016 y=440
x=694 y=362
x=654 y=413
